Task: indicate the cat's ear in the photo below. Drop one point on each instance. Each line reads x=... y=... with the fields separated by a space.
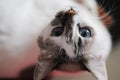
x=105 y=17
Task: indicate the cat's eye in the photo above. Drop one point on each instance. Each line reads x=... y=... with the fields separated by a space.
x=57 y=31
x=85 y=32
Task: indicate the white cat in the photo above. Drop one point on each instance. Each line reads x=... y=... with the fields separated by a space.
x=22 y=21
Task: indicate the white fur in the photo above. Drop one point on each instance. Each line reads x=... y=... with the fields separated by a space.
x=98 y=46
x=21 y=22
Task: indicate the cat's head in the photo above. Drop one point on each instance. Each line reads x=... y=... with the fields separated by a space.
x=78 y=35
x=83 y=32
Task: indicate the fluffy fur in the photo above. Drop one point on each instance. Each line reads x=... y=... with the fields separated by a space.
x=74 y=44
x=22 y=21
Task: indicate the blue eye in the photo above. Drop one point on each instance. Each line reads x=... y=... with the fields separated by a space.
x=85 y=32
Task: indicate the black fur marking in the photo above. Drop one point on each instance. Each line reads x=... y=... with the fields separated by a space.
x=60 y=14
x=77 y=46
x=70 y=38
x=58 y=19
x=83 y=61
x=76 y=49
x=65 y=20
x=61 y=59
x=79 y=27
x=79 y=43
x=55 y=22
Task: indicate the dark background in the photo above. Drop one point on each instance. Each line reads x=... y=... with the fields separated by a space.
x=114 y=7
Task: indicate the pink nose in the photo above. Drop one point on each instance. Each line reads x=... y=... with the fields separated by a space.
x=71 y=11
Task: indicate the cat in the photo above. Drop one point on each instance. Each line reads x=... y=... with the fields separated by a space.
x=22 y=21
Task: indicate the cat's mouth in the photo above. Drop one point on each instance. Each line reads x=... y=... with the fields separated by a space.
x=67 y=64
x=68 y=67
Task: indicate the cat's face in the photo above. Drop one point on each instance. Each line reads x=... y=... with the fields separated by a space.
x=75 y=38
x=79 y=33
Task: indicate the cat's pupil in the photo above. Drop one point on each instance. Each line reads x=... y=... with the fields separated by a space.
x=85 y=33
x=57 y=31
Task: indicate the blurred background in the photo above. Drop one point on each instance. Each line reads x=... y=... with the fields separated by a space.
x=113 y=64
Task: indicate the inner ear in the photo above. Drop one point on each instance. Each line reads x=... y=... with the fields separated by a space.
x=105 y=17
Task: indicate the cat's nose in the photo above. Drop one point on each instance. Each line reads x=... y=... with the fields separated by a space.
x=68 y=16
x=67 y=20
x=71 y=11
